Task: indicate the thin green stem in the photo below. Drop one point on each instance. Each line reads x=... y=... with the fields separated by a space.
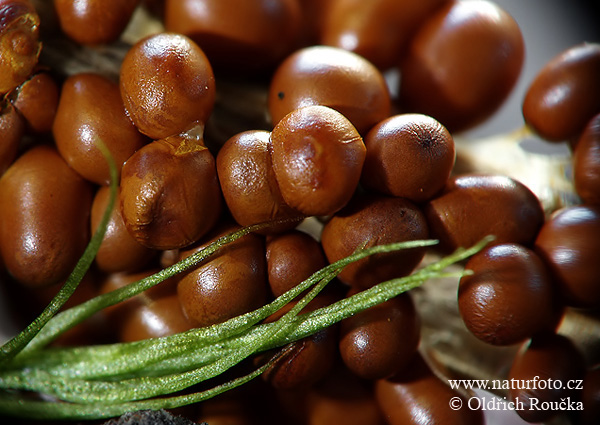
x=79 y=390
x=305 y=325
x=105 y=360
x=261 y=338
x=176 y=369
x=68 y=411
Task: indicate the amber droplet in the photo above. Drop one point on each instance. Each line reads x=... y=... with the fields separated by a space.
x=19 y=42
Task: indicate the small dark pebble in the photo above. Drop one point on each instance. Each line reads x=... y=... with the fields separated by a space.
x=151 y=417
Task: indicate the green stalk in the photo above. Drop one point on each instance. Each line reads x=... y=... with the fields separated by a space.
x=44 y=410
x=259 y=338
x=303 y=326
x=83 y=391
x=96 y=362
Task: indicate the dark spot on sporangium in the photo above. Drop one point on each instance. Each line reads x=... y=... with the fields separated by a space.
x=427 y=140
x=281 y=95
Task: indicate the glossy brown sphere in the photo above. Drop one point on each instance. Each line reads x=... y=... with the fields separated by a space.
x=342 y=398
x=119 y=313
x=19 y=42
x=408 y=155
x=93 y=22
x=378 y=30
x=168 y=257
x=549 y=363
x=586 y=163
x=329 y=76
x=462 y=64
x=158 y=318
x=231 y=282
x=248 y=182
x=418 y=396
x=119 y=251
x=170 y=195
x=12 y=128
x=91 y=108
x=569 y=243
x=253 y=34
x=317 y=157
x=370 y=221
x=565 y=94
x=44 y=219
x=495 y=301
x=37 y=101
x=474 y=206
x=308 y=360
x=167 y=85
x=380 y=341
x=292 y=257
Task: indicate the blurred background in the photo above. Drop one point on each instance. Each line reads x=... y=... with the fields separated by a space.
x=549 y=27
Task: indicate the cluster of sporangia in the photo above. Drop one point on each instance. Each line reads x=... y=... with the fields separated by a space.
x=374 y=166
